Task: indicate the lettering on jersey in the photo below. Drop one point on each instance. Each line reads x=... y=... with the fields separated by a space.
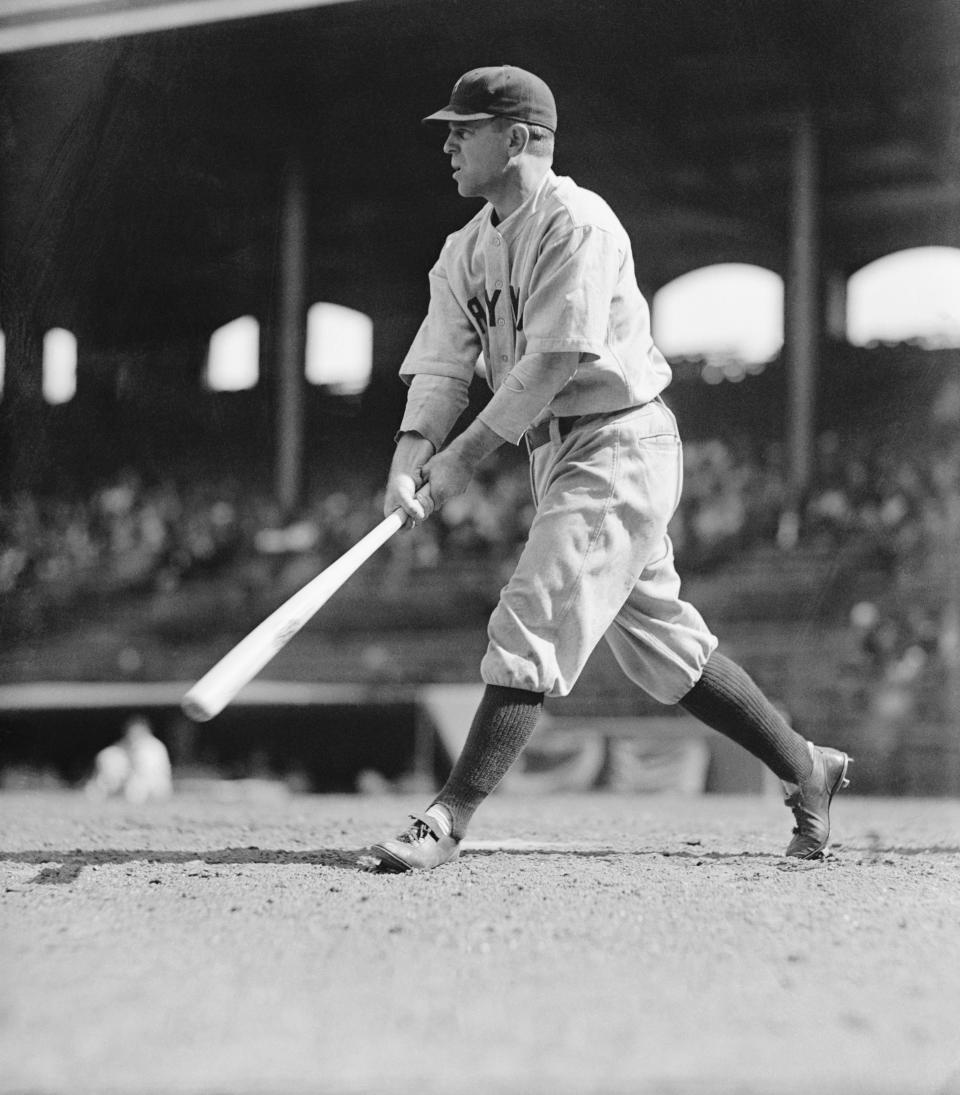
x=483 y=308
x=517 y=311
x=475 y=308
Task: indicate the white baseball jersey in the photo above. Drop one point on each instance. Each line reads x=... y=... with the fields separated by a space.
x=557 y=275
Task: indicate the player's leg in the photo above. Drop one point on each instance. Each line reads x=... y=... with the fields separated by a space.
x=604 y=496
x=663 y=644
x=651 y=639
x=585 y=545
x=728 y=700
x=502 y=726
x=657 y=639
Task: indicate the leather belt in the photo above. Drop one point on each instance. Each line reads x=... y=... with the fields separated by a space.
x=540 y=434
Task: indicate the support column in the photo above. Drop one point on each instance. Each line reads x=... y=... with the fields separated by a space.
x=950 y=649
x=802 y=318
x=291 y=340
x=835 y=304
x=22 y=410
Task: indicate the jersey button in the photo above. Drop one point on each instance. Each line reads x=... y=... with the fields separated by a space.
x=500 y=322
x=498 y=285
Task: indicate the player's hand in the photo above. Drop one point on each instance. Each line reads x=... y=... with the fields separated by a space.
x=412 y=495
x=450 y=471
x=447 y=474
x=405 y=487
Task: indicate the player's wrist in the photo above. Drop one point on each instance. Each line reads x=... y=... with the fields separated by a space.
x=413 y=438
x=475 y=443
x=412 y=452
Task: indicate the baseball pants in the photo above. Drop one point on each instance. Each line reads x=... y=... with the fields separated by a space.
x=598 y=563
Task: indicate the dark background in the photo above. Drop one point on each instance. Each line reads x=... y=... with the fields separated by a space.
x=142 y=180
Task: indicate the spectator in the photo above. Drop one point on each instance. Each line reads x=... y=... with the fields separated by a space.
x=136 y=768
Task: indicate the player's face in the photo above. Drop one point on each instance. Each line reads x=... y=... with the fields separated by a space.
x=478 y=156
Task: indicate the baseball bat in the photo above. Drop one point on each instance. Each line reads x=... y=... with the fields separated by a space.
x=237 y=667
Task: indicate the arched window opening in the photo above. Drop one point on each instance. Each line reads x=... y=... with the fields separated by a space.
x=339 y=351
x=59 y=366
x=907 y=296
x=233 y=357
x=729 y=316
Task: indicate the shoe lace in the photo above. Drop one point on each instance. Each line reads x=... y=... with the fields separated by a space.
x=417 y=831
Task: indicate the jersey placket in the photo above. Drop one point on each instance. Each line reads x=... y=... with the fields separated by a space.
x=501 y=328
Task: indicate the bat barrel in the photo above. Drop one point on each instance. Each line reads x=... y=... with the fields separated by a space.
x=219 y=685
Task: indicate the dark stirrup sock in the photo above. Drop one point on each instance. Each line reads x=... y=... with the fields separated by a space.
x=501 y=727
x=729 y=701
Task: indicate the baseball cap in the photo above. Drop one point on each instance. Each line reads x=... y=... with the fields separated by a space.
x=499 y=91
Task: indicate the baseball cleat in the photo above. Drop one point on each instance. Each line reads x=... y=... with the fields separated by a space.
x=421 y=847
x=810 y=801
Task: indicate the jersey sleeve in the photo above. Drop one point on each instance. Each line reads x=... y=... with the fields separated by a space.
x=526 y=392
x=441 y=361
x=434 y=403
x=447 y=343
x=571 y=290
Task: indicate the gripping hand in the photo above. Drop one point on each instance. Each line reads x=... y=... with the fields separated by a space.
x=406 y=487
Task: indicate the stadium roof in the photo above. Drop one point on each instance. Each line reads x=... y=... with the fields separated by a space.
x=143 y=157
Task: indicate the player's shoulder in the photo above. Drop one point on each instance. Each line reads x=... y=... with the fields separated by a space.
x=462 y=237
x=582 y=208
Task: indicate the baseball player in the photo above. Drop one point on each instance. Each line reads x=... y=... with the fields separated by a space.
x=541 y=282
x=137 y=767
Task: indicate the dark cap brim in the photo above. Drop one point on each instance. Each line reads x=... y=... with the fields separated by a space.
x=447 y=115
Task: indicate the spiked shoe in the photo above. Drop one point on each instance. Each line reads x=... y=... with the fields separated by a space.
x=810 y=801
x=420 y=847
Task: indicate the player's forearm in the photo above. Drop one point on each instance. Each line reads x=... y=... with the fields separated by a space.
x=527 y=390
x=476 y=443
x=412 y=452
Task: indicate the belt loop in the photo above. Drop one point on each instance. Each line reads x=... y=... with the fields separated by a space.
x=555 y=431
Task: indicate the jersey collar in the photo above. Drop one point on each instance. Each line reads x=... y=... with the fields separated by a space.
x=509 y=227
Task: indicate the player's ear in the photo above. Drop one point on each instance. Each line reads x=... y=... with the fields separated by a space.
x=518 y=138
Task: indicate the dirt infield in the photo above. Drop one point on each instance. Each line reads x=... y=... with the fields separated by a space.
x=225 y=942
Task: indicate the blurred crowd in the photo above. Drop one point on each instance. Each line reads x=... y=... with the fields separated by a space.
x=133 y=536
x=126 y=536
x=881 y=505
x=881 y=521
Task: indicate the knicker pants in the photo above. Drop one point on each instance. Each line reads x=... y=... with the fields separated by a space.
x=598 y=563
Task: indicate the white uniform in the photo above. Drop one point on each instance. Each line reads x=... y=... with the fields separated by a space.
x=557 y=275
x=136 y=767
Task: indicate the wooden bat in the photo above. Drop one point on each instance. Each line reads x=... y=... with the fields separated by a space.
x=219 y=686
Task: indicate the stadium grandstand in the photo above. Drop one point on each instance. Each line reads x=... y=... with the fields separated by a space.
x=217 y=221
